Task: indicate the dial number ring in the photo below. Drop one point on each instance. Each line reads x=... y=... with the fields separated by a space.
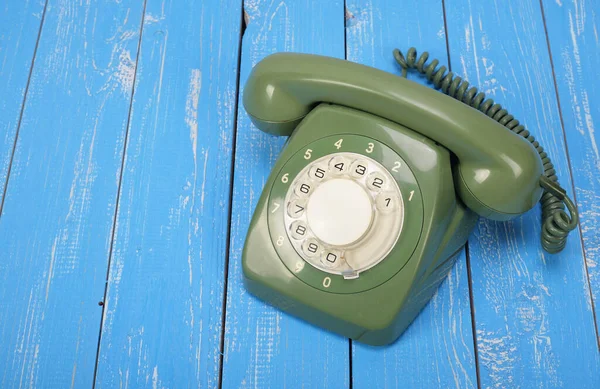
x=353 y=155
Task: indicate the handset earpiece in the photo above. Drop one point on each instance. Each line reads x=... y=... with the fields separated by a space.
x=556 y=223
x=498 y=171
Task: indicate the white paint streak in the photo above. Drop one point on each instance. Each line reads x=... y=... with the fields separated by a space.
x=34 y=366
x=202 y=191
x=594 y=27
x=149 y=18
x=29 y=338
x=574 y=41
x=569 y=75
x=160 y=77
x=51 y=269
x=488 y=64
x=155 y=378
x=125 y=72
x=589 y=123
x=579 y=16
x=498 y=354
x=585 y=120
x=191 y=119
x=475 y=56
x=441 y=33
x=470 y=43
x=191 y=107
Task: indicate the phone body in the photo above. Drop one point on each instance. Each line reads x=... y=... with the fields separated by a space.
x=374 y=194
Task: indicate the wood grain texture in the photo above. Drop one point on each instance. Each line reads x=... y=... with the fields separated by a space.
x=437 y=349
x=162 y=323
x=60 y=202
x=265 y=348
x=20 y=23
x=533 y=312
x=573 y=30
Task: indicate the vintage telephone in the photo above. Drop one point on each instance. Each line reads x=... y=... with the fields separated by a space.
x=379 y=186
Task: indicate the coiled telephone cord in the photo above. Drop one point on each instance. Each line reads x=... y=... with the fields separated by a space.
x=556 y=223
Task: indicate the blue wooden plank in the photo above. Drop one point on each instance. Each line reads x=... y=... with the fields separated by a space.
x=265 y=348
x=162 y=322
x=20 y=23
x=437 y=349
x=573 y=28
x=60 y=202
x=533 y=313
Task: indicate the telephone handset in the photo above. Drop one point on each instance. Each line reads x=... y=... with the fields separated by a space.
x=379 y=186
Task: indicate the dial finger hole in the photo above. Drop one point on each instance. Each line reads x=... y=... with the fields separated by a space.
x=299 y=230
x=387 y=202
x=338 y=165
x=296 y=208
x=331 y=258
x=376 y=181
x=303 y=189
x=359 y=168
x=318 y=172
x=311 y=247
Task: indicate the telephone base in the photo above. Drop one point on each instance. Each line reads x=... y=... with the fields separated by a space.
x=378 y=305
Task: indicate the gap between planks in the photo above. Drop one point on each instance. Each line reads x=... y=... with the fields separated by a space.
x=116 y=212
x=14 y=148
x=243 y=25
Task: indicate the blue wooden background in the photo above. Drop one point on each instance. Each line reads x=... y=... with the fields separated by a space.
x=129 y=172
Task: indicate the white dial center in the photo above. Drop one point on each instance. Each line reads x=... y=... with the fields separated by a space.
x=339 y=212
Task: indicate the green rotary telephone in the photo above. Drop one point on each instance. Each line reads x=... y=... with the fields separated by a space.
x=379 y=186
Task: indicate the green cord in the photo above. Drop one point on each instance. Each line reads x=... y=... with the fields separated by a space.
x=556 y=223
